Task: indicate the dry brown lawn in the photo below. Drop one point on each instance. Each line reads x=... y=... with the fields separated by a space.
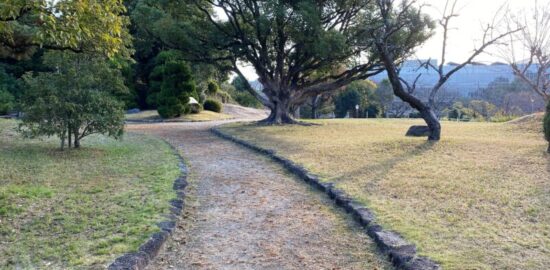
x=479 y=199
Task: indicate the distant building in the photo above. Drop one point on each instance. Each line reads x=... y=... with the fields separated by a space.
x=466 y=81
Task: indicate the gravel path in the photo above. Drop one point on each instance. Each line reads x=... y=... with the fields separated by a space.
x=246 y=212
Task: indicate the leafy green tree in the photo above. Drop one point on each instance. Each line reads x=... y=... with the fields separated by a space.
x=299 y=49
x=79 y=26
x=346 y=102
x=176 y=87
x=75 y=100
x=362 y=93
x=547 y=125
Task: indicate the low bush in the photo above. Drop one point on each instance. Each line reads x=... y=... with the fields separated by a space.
x=195 y=108
x=212 y=105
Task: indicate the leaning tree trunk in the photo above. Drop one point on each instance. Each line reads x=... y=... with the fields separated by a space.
x=433 y=123
x=426 y=111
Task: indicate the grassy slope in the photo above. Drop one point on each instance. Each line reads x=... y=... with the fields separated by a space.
x=80 y=208
x=199 y=117
x=479 y=199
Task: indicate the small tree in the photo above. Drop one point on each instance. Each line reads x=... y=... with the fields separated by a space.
x=74 y=101
x=547 y=125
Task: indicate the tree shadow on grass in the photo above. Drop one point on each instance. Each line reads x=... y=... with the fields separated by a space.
x=382 y=168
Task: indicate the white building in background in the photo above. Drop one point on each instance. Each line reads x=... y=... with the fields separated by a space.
x=466 y=81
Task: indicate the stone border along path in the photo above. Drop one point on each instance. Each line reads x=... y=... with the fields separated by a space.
x=401 y=253
x=148 y=251
x=244 y=211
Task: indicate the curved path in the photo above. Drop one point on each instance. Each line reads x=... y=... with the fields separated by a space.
x=246 y=212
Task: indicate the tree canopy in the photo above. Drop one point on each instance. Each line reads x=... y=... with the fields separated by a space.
x=90 y=25
x=299 y=49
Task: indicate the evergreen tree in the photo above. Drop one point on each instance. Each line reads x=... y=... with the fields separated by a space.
x=176 y=87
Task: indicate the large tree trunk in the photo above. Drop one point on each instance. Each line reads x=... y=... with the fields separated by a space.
x=281 y=113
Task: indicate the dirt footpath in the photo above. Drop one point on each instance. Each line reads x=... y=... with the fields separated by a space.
x=246 y=212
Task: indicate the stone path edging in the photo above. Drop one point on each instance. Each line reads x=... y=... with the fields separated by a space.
x=401 y=253
x=149 y=250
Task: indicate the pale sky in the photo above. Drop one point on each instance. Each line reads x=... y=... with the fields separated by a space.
x=466 y=29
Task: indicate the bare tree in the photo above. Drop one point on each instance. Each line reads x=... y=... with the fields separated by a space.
x=528 y=51
x=393 y=28
x=489 y=38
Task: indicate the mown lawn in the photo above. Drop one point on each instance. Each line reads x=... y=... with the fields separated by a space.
x=198 y=117
x=80 y=208
x=479 y=199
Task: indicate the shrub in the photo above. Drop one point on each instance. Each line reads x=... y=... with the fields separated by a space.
x=223 y=96
x=213 y=105
x=547 y=125
x=213 y=88
x=195 y=108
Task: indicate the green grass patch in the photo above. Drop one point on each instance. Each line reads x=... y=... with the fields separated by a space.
x=479 y=199
x=80 y=208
